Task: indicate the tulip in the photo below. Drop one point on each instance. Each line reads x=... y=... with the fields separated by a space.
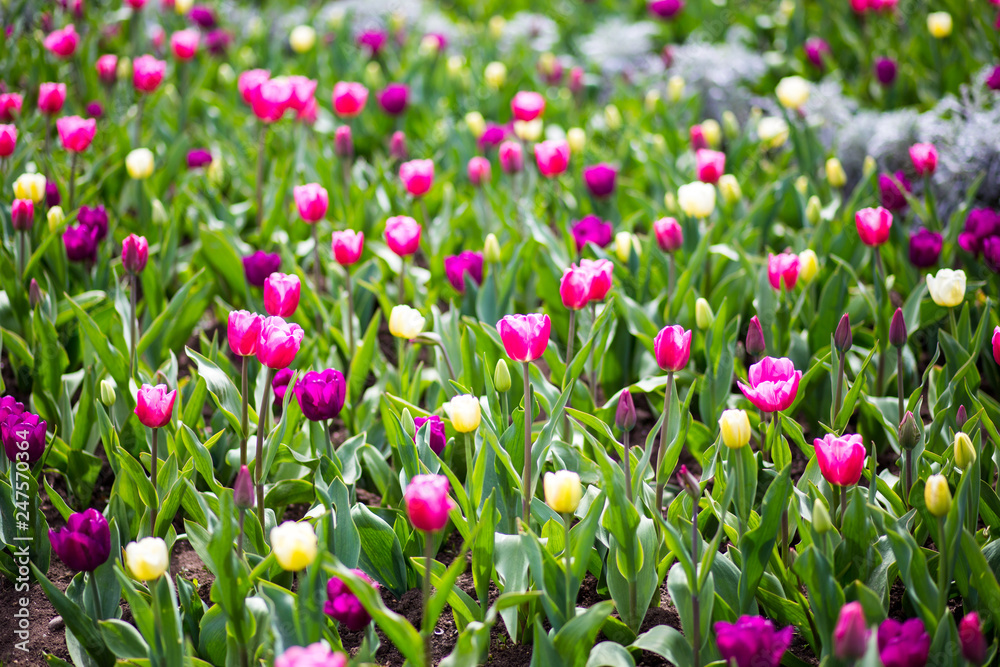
x=394 y=98
x=23 y=435
x=703 y=315
x=476 y=123
x=184 y=44
x=84 y=544
x=625 y=243
x=792 y=92
x=139 y=163
x=465 y=413
x=821 y=518
x=147 y=73
x=55 y=217
x=81 y=243
x=417 y=176
x=524 y=337
x=873 y=225
x=51 y=97
x=925 y=248
x=772 y=131
x=947 y=288
x=135 y=253
x=574 y=288
x=897 y=329
x=755 y=344
x=842 y=337
x=343 y=606
x=62 y=43
x=991 y=253
x=302 y=38
x=600 y=179
x=294 y=545
x=697 y=200
x=891 y=195
x=147 y=559
x=993 y=79
x=842 y=459
x=427 y=502
x=783 y=269
x=198 y=157
x=22 y=214
x=495 y=75
x=303 y=99
x=563 y=491
x=527 y=106
x=665 y=9
x=511 y=157
x=281 y=294
x=600 y=271
x=576 y=138
x=278 y=343
x=996 y=344
x=321 y=394
x=312 y=201
x=250 y=82
x=279 y=385
x=835 y=175
x=625 y=413
x=349 y=98
x=939 y=24
x=371 y=41
x=816 y=48
x=406 y=322
x=808 y=265
x=970 y=636
x=850 y=637
x=669 y=235
x=76 y=133
x=259 y=266
x=155 y=405
x=774 y=383
x=937 y=495
x=397 y=146
x=347 y=247
x=243 y=331
x=591 y=229
x=314 y=655
x=752 y=641
x=30 y=186
x=965 y=451
x=217 y=41
x=274 y=97
x=467 y=262
x=402 y=235
x=903 y=644
x=10 y=105
x=436 y=439
x=479 y=170
x=885 y=71
x=8 y=140
x=672 y=347
x=9 y=406
x=924 y=158
x=552 y=157
x=735 y=428
x=202 y=16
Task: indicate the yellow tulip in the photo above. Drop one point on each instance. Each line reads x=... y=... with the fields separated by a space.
x=406 y=322
x=465 y=413
x=302 y=39
x=294 y=545
x=965 y=451
x=835 y=175
x=30 y=186
x=939 y=24
x=147 y=559
x=937 y=495
x=577 y=139
x=712 y=132
x=703 y=315
x=792 y=92
x=495 y=74
x=735 y=427
x=476 y=123
x=808 y=265
x=563 y=491
x=729 y=188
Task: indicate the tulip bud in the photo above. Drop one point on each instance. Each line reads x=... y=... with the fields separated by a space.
x=712 y=132
x=808 y=265
x=612 y=117
x=755 y=344
x=814 y=210
x=243 y=491
x=897 y=329
x=965 y=451
x=302 y=38
x=729 y=188
x=730 y=124
x=34 y=293
x=675 y=88
x=159 y=213
x=842 y=338
x=465 y=413
x=801 y=184
x=652 y=100
x=562 y=491
x=821 y=518
x=294 y=545
x=22 y=214
x=147 y=559
x=476 y=123
x=909 y=432
x=409 y=426
x=868 y=167
x=343 y=143
x=501 y=376
x=625 y=414
x=56 y=218
x=124 y=68
x=937 y=495
x=495 y=75
x=961 y=416
x=970 y=636
x=397 y=146
x=939 y=24
x=108 y=395
x=703 y=315
x=735 y=427
x=577 y=139
x=851 y=633
x=624 y=242
x=835 y=175
x=688 y=482
x=491 y=249
x=496 y=25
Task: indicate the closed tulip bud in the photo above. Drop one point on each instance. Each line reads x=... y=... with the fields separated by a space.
x=697 y=200
x=147 y=559
x=652 y=100
x=851 y=633
x=735 y=427
x=729 y=188
x=465 y=413
x=243 y=491
x=755 y=344
x=625 y=414
x=495 y=75
x=909 y=432
x=182 y=7
x=730 y=124
x=294 y=545
x=792 y=92
x=406 y=322
x=939 y=24
x=135 y=253
x=703 y=315
x=971 y=639
x=34 y=293
x=496 y=26
x=808 y=265
x=343 y=143
x=55 y=217
x=688 y=482
x=897 y=329
x=772 y=131
x=814 y=210
x=22 y=214
x=476 y=123
x=409 y=425
x=124 y=68
x=139 y=163
x=821 y=518
x=501 y=376
x=624 y=242
x=802 y=185
x=842 y=338
x=373 y=75
x=302 y=39
x=868 y=167
x=965 y=451
x=675 y=88
x=947 y=288
x=937 y=495
x=712 y=132
x=30 y=186
x=612 y=117
x=577 y=139
x=528 y=130
x=563 y=491
x=835 y=175
x=108 y=396
x=159 y=213
x=491 y=249
x=961 y=416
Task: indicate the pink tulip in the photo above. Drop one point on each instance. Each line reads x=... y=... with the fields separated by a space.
x=349 y=98
x=62 y=43
x=136 y=4
x=925 y=158
x=347 y=246
x=107 y=68
x=774 y=382
x=402 y=235
x=698 y=140
x=76 y=133
x=850 y=638
x=281 y=294
x=135 y=253
x=672 y=347
x=155 y=405
x=244 y=330
x=479 y=170
x=312 y=201
x=527 y=105
x=250 y=82
x=783 y=268
x=600 y=271
x=8 y=140
x=22 y=214
x=278 y=343
x=552 y=157
x=574 y=288
x=996 y=345
x=511 y=157
x=417 y=176
x=10 y=105
x=273 y=99
x=427 y=502
x=397 y=146
x=669 y=235
x=147 y=73
x=710 y=164
x=842 y=459
x=343 y=142
x=525 y=337
x=467 y=262
x=51 y=97
x=303 y=92
x=394 y=98
x=600 y=179
x=873 y=225
x=184 y=44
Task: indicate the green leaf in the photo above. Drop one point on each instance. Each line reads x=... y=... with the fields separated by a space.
x=109 y=355
x=123 y=639
x=381 y=555
x=77 y=621
x=223 y=391
x=362 y=361
x=665 y=642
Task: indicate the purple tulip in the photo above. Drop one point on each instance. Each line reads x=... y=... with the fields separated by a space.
x=816 y=48
x=9 y=406
x=925 y=248
x=600 y=179
x=980 y=224
x=279 y=385
x=665 y=9
x=970 y=636
x=493 y=136
x=84 y=544
x=752 y=641
x=199 y=157
x=371 y=41
x=95 y=110
x=23 y=435
x=437 y=439
x=903 y=644
x=342 y=605
x=202 y=16
x=465 y=262
x=892 y=197
x=321 y=394
x=81 y=243
x=394 y=98
x=259 y=266
x=96 y=218
x=591 y=229
x=217 y=42
x=993 y=80
x=52 y=197
x=991 y=253
x=885 y=71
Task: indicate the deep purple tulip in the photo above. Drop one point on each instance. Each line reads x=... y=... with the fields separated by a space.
x=217 y=42
x=889 y=192
x=260 y=265
x=202 y=16
x=81 y=243
x=394 y=98
x=493 y=136
x=752 y=641
x=591 y=229
x=903 y=644
x=993 y=80
x=980 y=224
x=600 y=179
x=925 y=248
x=342 y=605
x=816 y=48
x=665 y=9
x=371 y=41
x=279 y=385
x=321 y=394
x=95 y=110
x=199 y=157
x=465 y=262
x=437 y=439
x=9 y=406
x=991 y=253
x=95 y=217
x=23 y=434
x=52 y=196
x=885 y=71
x=84 y=544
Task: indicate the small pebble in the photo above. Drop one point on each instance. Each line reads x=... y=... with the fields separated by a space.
x=56 y=623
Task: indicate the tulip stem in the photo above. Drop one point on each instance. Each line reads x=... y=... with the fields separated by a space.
x=447 y=360
x=506 y=410
x=843 y=505
x=428 y=559
x=660 y=481
x=401 y=291
x=835 y=505
x=155 y=505
x=424 y=213
x=467 y=441
x=22 y=236
x=526 y=478
x=570 y=598
x=345 y=175
x=954 y=325
x=48 y=155
x=135 y=327
x=570 y=337
x=628 y=467
x=258 y=462
x=138 y=120
x=942 y=570
x=907 y=476
x=317 y=263
x=245 y=419
x=740 y=485
x=98 y=607
x=695 y=602
x=350 y=316
x=590 y=356
x=261 y=154
x=239 y=534
x=930 y=203
x=839 y=401
x=72 y=180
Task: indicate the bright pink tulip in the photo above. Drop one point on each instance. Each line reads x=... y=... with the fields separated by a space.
x=574 y=288
x=135 y=253
x=136 y=4
x=147 y=73
x=343 y=142
x=710 y=164
x=8 y=140
x=22 y=214
x=600 y=179
x=417 y=176
x=466 y=263
x=511 y=157
x=76 y=133
x=971 y=639
x=698 y=140
x=347 y=246
x=273 y=99
x=527 y=105
x=312 y=201
x=62 y=43
x=842 y=459
x=479 y=170
x=303 y=93
x=349 y=98
x=774 y=382
x=154 y=405
x=249 y=84
x=10 y=106
x=427 y=502
x=925 y=158
x=552 y=157
x=600 y=271
x=281 y=294
x=996 y=345
x=244 y=330
x=51 y=97
x=397 y=146
x=402 y=235
x=278 y=343
x=107 y=68
x=873 y=225
x=672 y=347
x=525 y=337
x=783 y=268
x=184 y=44
x=850 y=638
x=669 y=235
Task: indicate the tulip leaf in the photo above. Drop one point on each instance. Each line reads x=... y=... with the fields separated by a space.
x=109 y=355
x=381 y=554
x=362 y=362
x=666 y=642
x=123 y=639
x=758 y=544
x=77 y=621
x=223 y=391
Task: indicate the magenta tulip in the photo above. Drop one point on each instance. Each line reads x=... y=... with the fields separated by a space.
x=397 y=146
x=574 y=288
x=155 y=405
x=552 y=157
x=279 y=385
x=672 y=347
x=250 y=82
x=147 y=73
x=371 y=41
x=479 y=170
x=891 y=187
x=84 y=543
x=600 y=179
x=527 y=105
x=184 y=44
x=752 y=641
x=511 y=157
x=23 y=436
x=273 y=99
x=417 y=176
x=996 y=344
x=850 y=637
x=904 y=644
x=591 y=229
x=243 y=331
x=402 y=235
x=312 y=201
x=303 y=94
x=10 y=106
x=710 y=165
x=924 y=158
x=22 y=214
x=8 y=140
x=51 y=97
x=599 y=272
x=970 y=636
x=135 y=253
x=62 y=43
x=347 y=246
x=259 y=266
x=278 y=343
x=842 y=459
x=669 y=235
x=436 y=438
x=873 y=225
x=76 y=133
x=394 y=98
x=281 y=294
x=525 y=337
x=342 y=605
x=774 y=383
x=783 y=268
x=427 y=502
x=925 y=248
x=465 y=263
x=321 y=394
x=349 y=98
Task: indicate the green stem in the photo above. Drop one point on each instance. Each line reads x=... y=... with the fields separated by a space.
x=98 y=607
x=899 y=383
x=350 y=314
x=138 y=120
x=942 y=570
x=741 y=475
x=661 y=482
x=839 y=401
x=570 y=338
x=345 y=175
x=427 y=627
x=245 y=418
x=22 y=237
x=526 y=477
x=447 y=360
x=954 y=324
x=152 y=475
x=401 y=290
x=506 y=410
x=133 y=362
x=907 y=475
x=317 y=262
x=628 y=468
x=467 y=438
x=72 y=180
x=261 y=155
x=843 y=504
x=258 y=463
x=570 y=598
x=239 y=534
x=590 y=357
x=835 y=505
x=695 y=602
